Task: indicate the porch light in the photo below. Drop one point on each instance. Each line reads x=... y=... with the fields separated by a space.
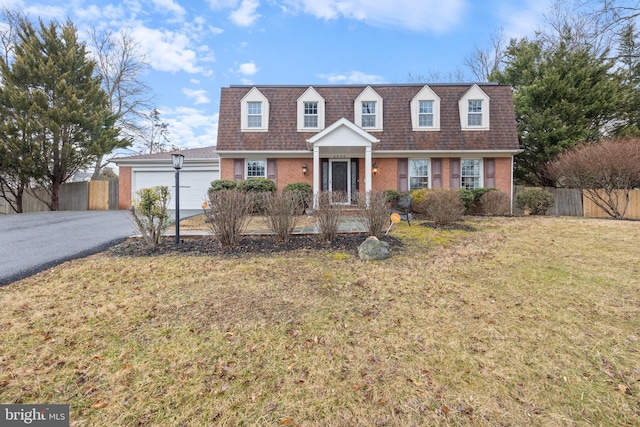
x=177 y=160
x=375 y=168
x=304 y=168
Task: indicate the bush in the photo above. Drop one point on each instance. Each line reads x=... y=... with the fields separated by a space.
x=375 y=213
x=467 y=198
x=418 y=205
x=149 y=211
x=223 y=184
x=536 y=200
x=444 y=206
x=304 y=192
x=494 y=202
x=228 y=215
x=280 y=209
x=257 y=185
x=392 y=196
x=328 y=214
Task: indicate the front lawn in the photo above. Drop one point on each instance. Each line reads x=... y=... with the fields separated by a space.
x=524 y=321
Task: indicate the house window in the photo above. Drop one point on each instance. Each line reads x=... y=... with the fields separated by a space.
x=425 y=114
x=254 y=114
x=256 y=169
x=310 y=114
x=470 y=174
x=418 y=174
x=368 y=114
x=475 y=112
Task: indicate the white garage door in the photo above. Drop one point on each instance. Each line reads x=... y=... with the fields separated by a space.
x=193 y=185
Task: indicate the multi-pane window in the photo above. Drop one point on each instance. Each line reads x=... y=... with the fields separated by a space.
x=425 y=114
x=311 y=114
x=256 y=169
x=475 y=112
x=368 y=114
x=254 y=114
x=418 y=174
x=470 y=174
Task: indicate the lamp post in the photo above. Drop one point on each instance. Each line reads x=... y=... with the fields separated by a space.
x=177 y=160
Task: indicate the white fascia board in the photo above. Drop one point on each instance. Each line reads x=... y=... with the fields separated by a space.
x=264 y=153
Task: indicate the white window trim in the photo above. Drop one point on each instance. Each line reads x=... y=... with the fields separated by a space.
x=425 y=94
x=254 y=95
x=368 y=95
x=474 y=94
x=311 y=95
x=480 y=171
x=429 y=172
x=246 y=168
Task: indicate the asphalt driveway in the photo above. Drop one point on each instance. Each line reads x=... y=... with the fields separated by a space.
x=30 y=243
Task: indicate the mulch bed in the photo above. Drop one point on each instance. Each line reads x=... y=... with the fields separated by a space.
x=250 y=245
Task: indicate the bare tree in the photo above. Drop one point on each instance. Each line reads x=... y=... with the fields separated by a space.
x=484 y=62
x=153 y=135
x=606 y=173
x=121 y=65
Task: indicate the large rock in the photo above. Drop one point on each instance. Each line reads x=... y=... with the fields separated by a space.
x=373 y=249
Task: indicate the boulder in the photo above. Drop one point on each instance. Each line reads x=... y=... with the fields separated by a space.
x=373 y=249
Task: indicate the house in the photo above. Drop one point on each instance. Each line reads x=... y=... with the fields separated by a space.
x=201 y=166
x=358 y=138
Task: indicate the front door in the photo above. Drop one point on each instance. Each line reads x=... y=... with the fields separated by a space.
x=339 y=179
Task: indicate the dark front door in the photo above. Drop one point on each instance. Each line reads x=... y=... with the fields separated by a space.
x=339 y=176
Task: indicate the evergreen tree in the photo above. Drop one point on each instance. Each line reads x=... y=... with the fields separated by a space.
x=69 y=121
x=563 y=94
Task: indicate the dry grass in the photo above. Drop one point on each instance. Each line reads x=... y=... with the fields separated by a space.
x=255 y=223
x=526 y=321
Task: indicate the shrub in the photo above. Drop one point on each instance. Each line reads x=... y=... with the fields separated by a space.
x=418 y=205
x=304 y=192
x=280 y=209
x=149 y=211
x=256 y=185
x=392 y=196
x=444 y=206
x=467 y=198
x=373 y=212
x=494 y=202
x=328 y=214
x=536 y=200
x=223 y=184
x=228 y=215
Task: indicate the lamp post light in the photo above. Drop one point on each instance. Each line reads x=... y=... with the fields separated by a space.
x=177 y=160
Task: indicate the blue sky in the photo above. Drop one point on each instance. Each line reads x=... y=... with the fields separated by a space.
x=195 y=47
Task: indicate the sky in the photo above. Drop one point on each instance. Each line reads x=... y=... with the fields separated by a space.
x=196 y=47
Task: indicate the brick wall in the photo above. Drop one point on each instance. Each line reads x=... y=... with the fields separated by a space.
x=387 y=176
x=226 y=169
x=124 y=187
x=290 y=171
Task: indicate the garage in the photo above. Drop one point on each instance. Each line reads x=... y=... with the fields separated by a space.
x=200 y=167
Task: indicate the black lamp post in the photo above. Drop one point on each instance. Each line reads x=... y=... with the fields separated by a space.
x=177 y=160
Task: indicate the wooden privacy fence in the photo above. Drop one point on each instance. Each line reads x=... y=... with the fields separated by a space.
x=74 y=196
x=571 y=202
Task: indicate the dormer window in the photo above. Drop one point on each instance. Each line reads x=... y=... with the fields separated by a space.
x=474 y=117
x=254 y=114
x=474 y=109
x=310 y=111
x=425 y=110
x=367 y=109
x=311 y=114
x=368 y=114
x=254 y=110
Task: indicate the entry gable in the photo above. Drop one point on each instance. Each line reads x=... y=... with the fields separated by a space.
x=342 y=133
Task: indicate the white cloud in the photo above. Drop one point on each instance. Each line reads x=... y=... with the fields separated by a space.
x=167 y=50
x=353 y=77
x=169 y=6
x=222 y=4
x=246 y=14
x=192 y=128
x=523 y=19
x=248 y=69
x=247 y=82
x=200 y=96
x=417 y=15
x=215 y=30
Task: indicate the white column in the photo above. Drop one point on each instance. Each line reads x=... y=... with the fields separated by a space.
x=368 y=176
x=316 y=175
